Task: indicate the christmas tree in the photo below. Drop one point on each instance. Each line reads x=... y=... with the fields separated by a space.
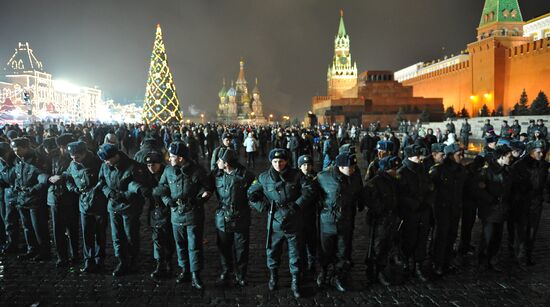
x=161 y=103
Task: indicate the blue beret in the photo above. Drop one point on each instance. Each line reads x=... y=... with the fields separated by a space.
x=65 y=139
x=20 y=142
x=503 y=142
x=227 y=136
x=384 y=145
x=389 y=162
x=49 y=143
x=451 y=149
x=278 y=153
x=305 y=159
x=154 y=157
x=179 y=149
x=534 y=145
x=77 y=147
x=438 y=147
x=346 y=159
x=107 y=151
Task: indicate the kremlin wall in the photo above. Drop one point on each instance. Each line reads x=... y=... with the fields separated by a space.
x=509 y=55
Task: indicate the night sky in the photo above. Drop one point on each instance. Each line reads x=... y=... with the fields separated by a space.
x=287 y=44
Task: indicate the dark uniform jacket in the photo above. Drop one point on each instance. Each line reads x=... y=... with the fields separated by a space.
x=233 y=213
x=529 y=182
x=340 y=196
x=83 y=178
x=7 y=181
x=381 y=196
x=494 y=193
x=159 y=213
x=124 y=185
x=185 y=185
x=288 y=191
x=31 y=182
x=58 y=194
x=415 y=188
x=448 y=179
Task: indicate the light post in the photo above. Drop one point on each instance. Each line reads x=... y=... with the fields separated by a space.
x=270 y=118
x=202 y=118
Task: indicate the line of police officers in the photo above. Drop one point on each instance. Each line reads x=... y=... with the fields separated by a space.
x=414 y=208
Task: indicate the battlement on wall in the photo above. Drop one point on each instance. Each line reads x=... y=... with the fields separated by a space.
x=541 y=45
x=441 y=72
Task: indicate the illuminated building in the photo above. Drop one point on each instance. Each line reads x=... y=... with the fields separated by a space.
x=49 y=99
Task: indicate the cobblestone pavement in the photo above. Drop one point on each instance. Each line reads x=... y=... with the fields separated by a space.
x=26 y=283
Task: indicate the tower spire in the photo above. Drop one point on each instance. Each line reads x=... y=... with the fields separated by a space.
x=341 y=27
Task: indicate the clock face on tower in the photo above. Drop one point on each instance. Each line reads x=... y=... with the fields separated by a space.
x=343 y=60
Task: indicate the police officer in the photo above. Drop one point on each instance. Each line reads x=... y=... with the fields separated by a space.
x=148 y=145
x=123 y=181
x=286 y=191
x=448 y=178
x=491 y=141
x=159 y=217
x=311 y=221
x=465 y=132
x=9 y=201
x=63 y=204
x=232 y=216
x=383 y=222
x=341 y=195
x=415 y=189
x=31 y=189
x=188 y=188
x=530 y=181
x=330 y=149
x=494 y=195
x=218 y=152
x=436 y=157
x=469 y=205
x=384 y=148
x=83 y=177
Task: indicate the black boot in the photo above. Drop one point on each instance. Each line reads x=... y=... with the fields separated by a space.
x=196 y=281
x=371 y=273
x=120 y=269
x=295 y=286
x=419 y=272
x=339 y=283
x=382 y=279
x=88 y=267
x=183 y=277
x=159 y=271
x=223 y=278
x=322 y=278
x=273 y=280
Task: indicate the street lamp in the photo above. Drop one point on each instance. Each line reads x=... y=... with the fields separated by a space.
x=202 y=118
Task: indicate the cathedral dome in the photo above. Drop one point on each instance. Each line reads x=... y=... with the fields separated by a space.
x=223 y=91
x=232 y=91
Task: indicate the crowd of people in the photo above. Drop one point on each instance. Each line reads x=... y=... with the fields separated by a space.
x=417 y=189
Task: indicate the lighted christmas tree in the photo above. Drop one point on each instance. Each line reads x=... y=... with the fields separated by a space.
x=161 y=103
